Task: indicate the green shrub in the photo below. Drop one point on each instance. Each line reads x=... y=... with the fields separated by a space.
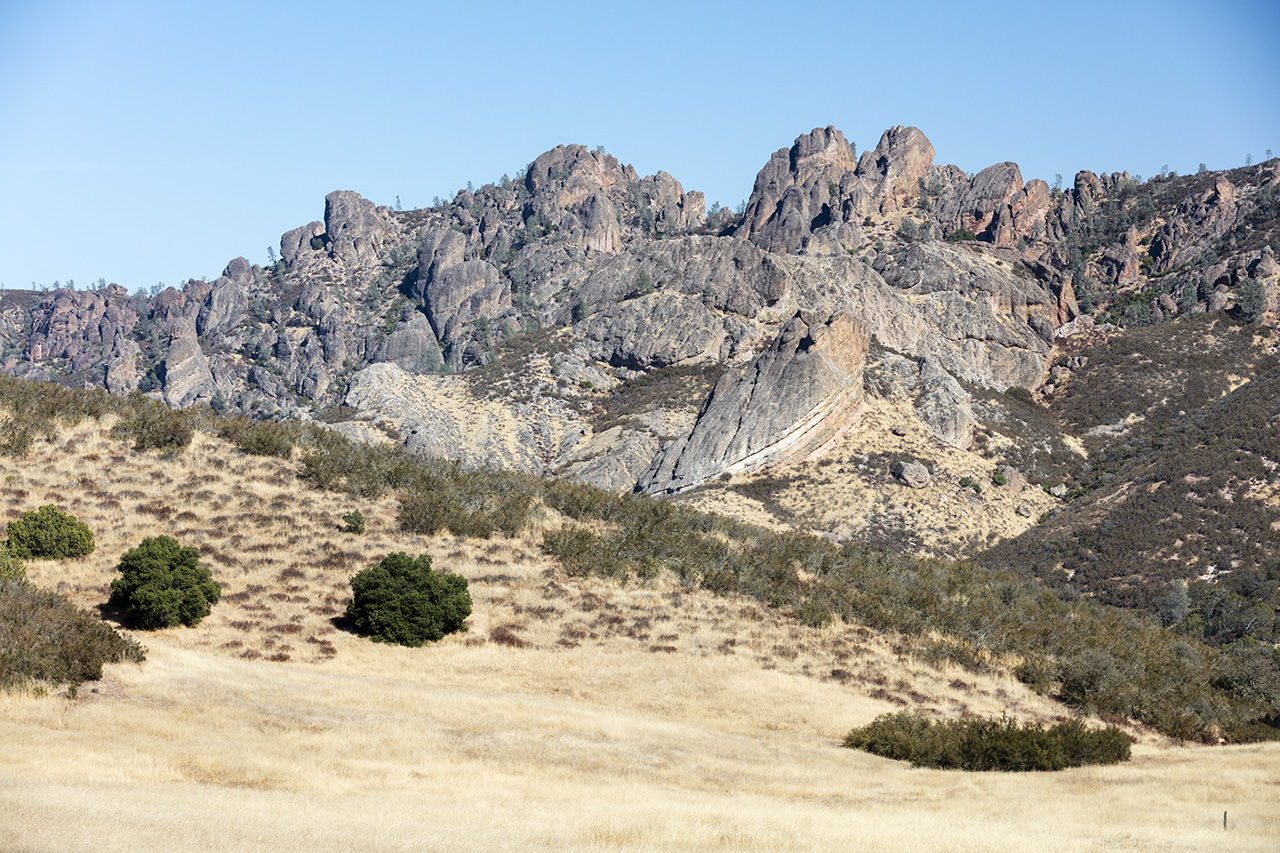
x=44 y=637
x=11 y=568
x=353 y=522
x=988 y=744
x=401 y=600
x=260 y=438
x=154 y=426
x=49 y=534
x=162 y=584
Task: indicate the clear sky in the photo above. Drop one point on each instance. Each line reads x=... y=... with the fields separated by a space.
x=146 y=142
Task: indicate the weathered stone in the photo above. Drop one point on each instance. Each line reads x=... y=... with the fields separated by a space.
x=796 y=400
x=1059 y=490
x=912 y=474
x=227 y=303
x=997 y=319
x=187 y=379
x=297 y=242
x=1014 y=481
x=901 y=158
x=943 y=406
x=793 y=194
x=1023 y=510
x=355 y=229
x=122 y=373
x=412 y=345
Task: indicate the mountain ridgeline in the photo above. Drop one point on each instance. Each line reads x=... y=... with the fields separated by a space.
x=582 y=321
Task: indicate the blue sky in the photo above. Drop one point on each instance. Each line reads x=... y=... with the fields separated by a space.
x=146 y=142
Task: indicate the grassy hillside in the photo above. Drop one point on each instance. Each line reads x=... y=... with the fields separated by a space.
x=685 y=720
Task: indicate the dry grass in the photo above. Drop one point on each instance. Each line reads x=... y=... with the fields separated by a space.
x=850 y=493
x=574 y=714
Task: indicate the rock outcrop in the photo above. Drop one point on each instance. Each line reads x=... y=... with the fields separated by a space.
x=796 y=399
x=943 y=406
x=227 y=303
x=187 y=379
x=355 y=229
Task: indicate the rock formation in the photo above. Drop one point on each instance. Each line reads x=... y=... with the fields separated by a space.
x=796 y=399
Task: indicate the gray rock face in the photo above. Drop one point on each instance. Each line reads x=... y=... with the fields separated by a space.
x=187 y=378
x=793 y=193
x=943 y=406
x=454 y=291
x=612 y=460
x=227 y=303
x=355 y=228
x=997 y=320
x=657 y=330
x=798 y=398
x=296 y=243
x=600 y=219
x=996 y=206
x=412 y=345
x=122 y=370
x=901 y=158
x=912 y=474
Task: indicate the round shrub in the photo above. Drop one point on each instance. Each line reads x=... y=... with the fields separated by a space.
x=401 y=600
x=49 y=534
x=162 y=584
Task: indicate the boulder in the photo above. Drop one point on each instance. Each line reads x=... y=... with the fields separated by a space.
x=1013 y=479
x=797 y=399
x=912 y=474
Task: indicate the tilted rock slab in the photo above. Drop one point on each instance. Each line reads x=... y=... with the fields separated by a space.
x=187 y=379
x=797 y=399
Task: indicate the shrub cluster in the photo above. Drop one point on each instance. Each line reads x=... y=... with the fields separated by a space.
x=49 y=534
x=162 y=584
x=988 y=744
x=155 y=426
x=34 y=411
x=401 y=600
x=43 y=637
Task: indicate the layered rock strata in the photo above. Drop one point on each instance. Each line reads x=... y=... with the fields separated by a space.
x=797 y=399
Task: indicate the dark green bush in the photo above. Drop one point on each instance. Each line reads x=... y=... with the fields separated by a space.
x=401 y=600
x=162 y=584
x=988 y=744
x=353 y=522
x=49 y=534
x=43 y=637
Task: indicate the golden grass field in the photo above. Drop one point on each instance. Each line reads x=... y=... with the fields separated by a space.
x=575 y=714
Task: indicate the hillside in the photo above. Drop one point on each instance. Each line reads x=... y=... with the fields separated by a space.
x=689 y=720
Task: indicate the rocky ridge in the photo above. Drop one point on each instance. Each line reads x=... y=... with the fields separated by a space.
x=975 y=278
